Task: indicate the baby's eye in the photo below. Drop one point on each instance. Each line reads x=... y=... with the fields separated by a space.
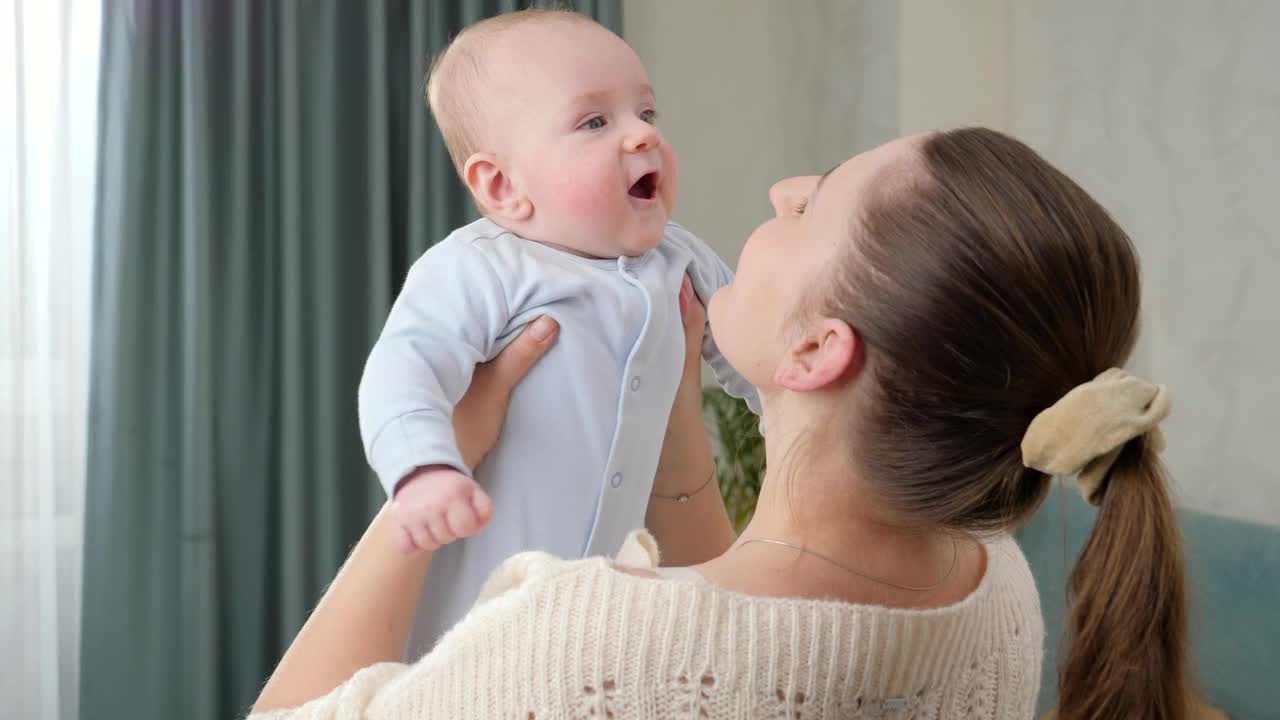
x=800 y=206
x=649 y=116
x=594 y=123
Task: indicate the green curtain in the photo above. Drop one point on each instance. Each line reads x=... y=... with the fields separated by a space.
x=267 y=171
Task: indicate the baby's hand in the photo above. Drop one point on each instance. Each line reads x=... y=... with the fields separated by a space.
x=435 y=506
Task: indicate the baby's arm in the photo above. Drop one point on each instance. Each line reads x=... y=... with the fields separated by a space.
x=709 y=273
x=445 y=321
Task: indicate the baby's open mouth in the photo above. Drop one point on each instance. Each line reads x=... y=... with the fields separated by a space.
x=645 y=187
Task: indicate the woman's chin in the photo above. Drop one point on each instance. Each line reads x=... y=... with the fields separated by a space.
x=723 y=331
x=712 y=305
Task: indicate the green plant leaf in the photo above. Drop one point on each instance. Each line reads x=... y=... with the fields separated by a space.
x=739 y=450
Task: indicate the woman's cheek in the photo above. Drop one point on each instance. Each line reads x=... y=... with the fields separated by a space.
x=713 y=306
x=720 y=318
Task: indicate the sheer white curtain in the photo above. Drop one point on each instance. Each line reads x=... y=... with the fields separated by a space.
x=48 y=103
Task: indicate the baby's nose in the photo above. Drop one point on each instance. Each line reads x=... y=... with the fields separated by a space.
x=643 y=138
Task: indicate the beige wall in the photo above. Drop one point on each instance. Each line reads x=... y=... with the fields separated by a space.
x=1168 y=112
x=751 y=91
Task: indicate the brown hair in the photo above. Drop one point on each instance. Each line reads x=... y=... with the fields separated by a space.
x=986 y=285
x=456 y=76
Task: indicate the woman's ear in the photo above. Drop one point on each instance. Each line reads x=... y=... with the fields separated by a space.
x=494 y=190
x=827 y=353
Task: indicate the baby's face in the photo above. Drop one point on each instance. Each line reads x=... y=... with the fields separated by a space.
x=575 y=126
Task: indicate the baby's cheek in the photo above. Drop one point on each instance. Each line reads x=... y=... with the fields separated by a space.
x=671 y=176
x=583 y=196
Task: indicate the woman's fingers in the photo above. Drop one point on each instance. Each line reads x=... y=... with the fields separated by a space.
x=694 y=316
x=513 y=363
x=692 y=312
x=686 y=292
x=478 y=416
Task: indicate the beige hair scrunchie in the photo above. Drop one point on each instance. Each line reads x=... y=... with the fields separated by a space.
x=1083 y=433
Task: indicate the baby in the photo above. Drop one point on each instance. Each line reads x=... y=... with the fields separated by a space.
x=549 y=120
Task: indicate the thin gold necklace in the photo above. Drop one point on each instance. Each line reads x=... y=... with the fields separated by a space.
x=955 y=555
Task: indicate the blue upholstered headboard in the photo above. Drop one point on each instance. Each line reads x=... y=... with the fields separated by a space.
x=1234 y=570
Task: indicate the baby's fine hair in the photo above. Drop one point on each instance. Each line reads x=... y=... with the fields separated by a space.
x=458 y=70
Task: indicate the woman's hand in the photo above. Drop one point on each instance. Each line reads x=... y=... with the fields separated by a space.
x=478 y=416
x=682 y=454
x=697 y=530
x=694 y=316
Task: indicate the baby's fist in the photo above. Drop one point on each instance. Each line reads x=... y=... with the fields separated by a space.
x=436 y=505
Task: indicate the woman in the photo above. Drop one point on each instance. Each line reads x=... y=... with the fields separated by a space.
x=933 y=327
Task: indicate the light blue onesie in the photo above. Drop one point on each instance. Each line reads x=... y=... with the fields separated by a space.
x=574 y=466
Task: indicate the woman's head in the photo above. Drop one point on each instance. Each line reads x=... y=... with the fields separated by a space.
x=939 y=292
x=757 y=320
x=943 y=289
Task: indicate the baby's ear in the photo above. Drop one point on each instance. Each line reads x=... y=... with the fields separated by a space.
x=493 y=188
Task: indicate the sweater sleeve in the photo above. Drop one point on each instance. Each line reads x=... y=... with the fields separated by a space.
x=709 y=273
x=387 y=690
x=446 y=320
x=348 y=701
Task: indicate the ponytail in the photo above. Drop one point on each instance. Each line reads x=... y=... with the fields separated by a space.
x=1127 y=628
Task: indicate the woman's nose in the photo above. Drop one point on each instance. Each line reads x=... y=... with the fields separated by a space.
x=787 y=195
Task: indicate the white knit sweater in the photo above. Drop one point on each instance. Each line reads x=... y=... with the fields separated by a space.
x=553 y=639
